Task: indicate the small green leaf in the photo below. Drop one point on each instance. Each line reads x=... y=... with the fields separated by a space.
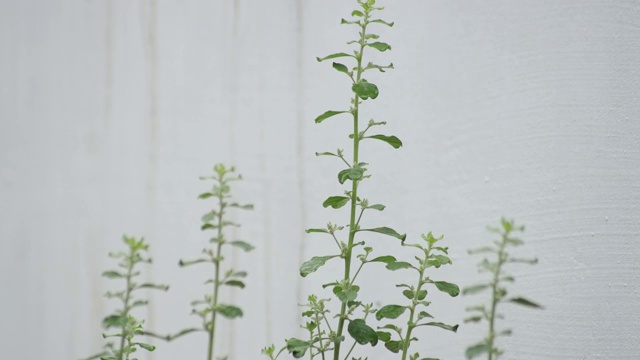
x=205 y=196
x=391 y=140
x=348 y=295
x=409 y=294
x=326 y=153
x=387 y=259
x=399 y=265
x=183 y=263
x=477 y=350
x=229 y=311
x=357 y=13
x=379 y=21
x=474 y=289
x=341 y=68
x=312 y=265
x=380 y=46
x=309 y=231
x=112 y=274
x=365 y=90
x=336 y=202
x=118 y=321
x=387 y=231
x=449 y=288
x=378 y=207
x=297 y=347
x=453 y=328
x=236 y=283
x=146 y=346
x=424 y=314
x=525 y=302
x=334 y=56
x=328 y=114
x=242 y=245
x=383 y=336
x=473 y=319
x=394 y=346
x=390 y=312
x=362 y=333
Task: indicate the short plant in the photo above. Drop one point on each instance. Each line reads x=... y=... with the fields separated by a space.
x=433 y=256
x=499 y=257
x=123 y=343
x=327 y=332
x=208 y=308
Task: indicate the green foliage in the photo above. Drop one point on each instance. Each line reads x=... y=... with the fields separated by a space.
x=432 y=256
x=122 y=343
x=209 y=308
x=494 y=264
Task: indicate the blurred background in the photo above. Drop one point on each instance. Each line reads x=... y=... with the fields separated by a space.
x=111 y=110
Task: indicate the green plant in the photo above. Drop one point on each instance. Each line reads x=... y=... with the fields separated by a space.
x=432 y=257
x=495 y=266
x=326 y=340
x=122 y=319
x=215 y=220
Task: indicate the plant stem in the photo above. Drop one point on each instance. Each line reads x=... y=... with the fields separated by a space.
x=414 y=302
x=127 y=297
x=494 y=297
x=216 y=281
x=354 y=188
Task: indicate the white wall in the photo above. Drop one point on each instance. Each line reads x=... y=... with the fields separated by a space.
x=110 y=110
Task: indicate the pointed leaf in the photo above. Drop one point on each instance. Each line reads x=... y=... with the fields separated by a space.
x=242 y=245
x=387 y=231
x=229 y=311
x=112 y=274
x=525 y=302
x=312 y=265
x=309 y=231
x=334 y=56
x=328 y=114
x=341 y=68
x=453 y=328
x=477 y=350
x=236 y=283
x=146 y=346
x=380 y=46
x=399 y=265
x=387 y=259
x=394 y=346
x=391 y=140
x=379 y=21
x=378 y=207
x=205 y=196
x=474 y=289
x=297 y=347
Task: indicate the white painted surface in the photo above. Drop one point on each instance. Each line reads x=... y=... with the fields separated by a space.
x=109 y=111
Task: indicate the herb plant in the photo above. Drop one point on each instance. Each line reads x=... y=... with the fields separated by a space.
x=327 y=332
x=495 y=266
x=208 y=308
x=123 y=343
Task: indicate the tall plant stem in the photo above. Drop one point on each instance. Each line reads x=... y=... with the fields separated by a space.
x=494 y=297
x=216 y=280
x=354 y=188
x=125 y=301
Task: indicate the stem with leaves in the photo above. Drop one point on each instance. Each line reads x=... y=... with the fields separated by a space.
x=432 y=257
x=122 y=318
x=209 y=308
x=496 y=285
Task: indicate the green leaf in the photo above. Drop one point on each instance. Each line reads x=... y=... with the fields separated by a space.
x=153 y=286
x=399 y=265
x=362 y=333
x=383 y=336
x=229 y=311
x=390 y=312
x=334 y=56
x=183 y=263
x=387 y=231
x=118 y=321
x=328 y=114
x=525 y=302
x=236 y=283
x=354 y=174
x=379 y=21
x=112 y=274
x=391 y=140
x=477 y=350
x=336 y=202
x=348 y=295
x=424 y=314
x=146 y=346
x=380 y=46
x=474 y=289
x=341 y=68
x=205 y=196
x=378 y=207
x=242 y=245
x=365 y=90
x=297 y=347
x=312 y=265
x=473 y=319
x=394 y=345
x=326 y=153
x=309 y=231
x=453 y=328
x=357 y=13
x=449 y=288
x=387 y=259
